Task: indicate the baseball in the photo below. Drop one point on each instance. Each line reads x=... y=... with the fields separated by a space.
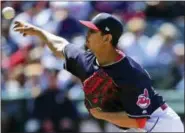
x=8 y=12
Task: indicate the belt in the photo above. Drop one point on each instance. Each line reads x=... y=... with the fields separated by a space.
x=164 y=106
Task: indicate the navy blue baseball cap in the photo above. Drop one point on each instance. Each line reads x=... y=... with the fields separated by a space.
x=105 y=23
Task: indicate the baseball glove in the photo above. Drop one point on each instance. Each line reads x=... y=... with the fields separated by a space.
x=100 y=91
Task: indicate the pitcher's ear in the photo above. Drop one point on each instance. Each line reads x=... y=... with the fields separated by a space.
x=107 y=38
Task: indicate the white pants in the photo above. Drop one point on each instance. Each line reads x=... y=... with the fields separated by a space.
x=162 y=121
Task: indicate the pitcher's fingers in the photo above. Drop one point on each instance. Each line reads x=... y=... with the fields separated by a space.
x=16 y=26
x=18 y=23
x=19 y=29
x=24 y=28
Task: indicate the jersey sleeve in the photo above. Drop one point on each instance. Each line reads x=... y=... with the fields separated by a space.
x=75 y=60
x=134 y=87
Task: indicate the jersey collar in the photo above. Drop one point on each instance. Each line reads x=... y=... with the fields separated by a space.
x=118 y=59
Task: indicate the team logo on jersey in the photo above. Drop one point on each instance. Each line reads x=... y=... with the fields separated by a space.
x=143 y=100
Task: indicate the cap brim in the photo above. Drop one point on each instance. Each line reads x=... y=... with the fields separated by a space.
x=89 y=24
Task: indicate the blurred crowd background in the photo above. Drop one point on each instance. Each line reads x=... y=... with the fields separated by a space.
x=38 y=95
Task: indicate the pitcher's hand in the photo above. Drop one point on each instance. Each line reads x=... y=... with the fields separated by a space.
x=96 y=112
x=26 y=28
